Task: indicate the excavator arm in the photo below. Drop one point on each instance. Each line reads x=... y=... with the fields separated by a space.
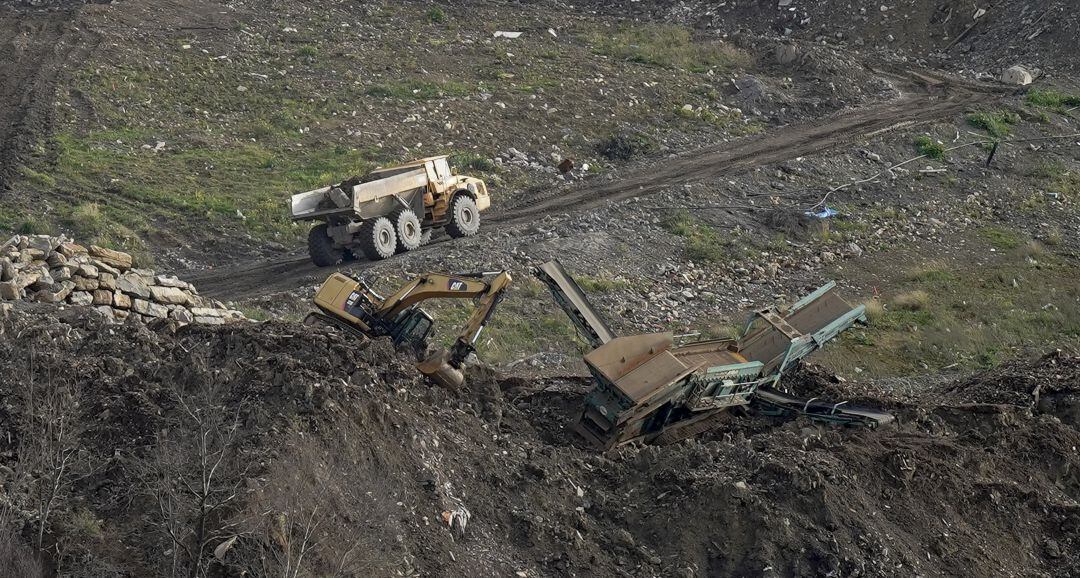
x=444 y=367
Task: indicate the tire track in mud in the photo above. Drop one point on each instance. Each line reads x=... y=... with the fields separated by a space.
x=780 y=144
x=37 y=47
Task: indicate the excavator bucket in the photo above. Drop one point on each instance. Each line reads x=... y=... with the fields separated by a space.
x=437 y=368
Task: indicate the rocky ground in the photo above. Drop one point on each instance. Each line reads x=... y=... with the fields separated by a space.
x=333 y=458
x=706 y=137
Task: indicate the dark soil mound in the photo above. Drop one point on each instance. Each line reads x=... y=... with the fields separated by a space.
x=261 y=447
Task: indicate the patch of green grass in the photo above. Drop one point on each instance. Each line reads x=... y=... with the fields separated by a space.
x=40 y=180
x=203 y=183
x=668 y=46
x=965 y=316
x=1001 y=239
x=467 y=161
x=997 y=123
x=86 y=222
x=703 y=243
x=419 y=90
x=436 y=15
x=930 y=147
x=1050 y=98
x=308 y=52
x=600 y=284
x=1058 y=178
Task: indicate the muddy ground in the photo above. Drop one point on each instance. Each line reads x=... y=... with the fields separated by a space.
x=390 y=476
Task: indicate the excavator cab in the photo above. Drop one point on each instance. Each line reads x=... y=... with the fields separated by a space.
x=411 y=328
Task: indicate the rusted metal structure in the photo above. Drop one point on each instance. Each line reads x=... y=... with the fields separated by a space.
x=649 y=388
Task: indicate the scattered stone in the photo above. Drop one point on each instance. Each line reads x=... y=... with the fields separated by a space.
x=9 y=291
x=106 y=281
x=84 y=284
x=149 y=308
x=55 y=293
x=169 y=296
x=56 y=260
x=133 y=285
x=209 y=320
x=182 y=315
x=71 y=249
x=1017 y=75
x=167 y=281
x=120 y=300
x=82 y=298
x=103 y=297
x=7 y=270
x=87 y=270
x=110 y=257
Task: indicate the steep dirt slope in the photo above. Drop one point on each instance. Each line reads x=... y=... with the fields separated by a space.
x=340 y=452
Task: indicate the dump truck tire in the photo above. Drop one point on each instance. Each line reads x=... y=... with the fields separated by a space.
x=464 y=217
x=407 y=227
x=321 y=247
x=425 y=237
x=377 y=239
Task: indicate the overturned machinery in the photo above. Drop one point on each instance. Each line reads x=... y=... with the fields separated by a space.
x=649 y=388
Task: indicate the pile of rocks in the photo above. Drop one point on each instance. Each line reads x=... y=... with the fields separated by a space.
x=55 y=270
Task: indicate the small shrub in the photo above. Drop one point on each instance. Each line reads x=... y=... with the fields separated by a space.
x=379 y=91
x=308 y=51
x=996 y=123
x=1050 y=98
x=625 y=145
x=437 y=16
x=917 y=300
x=930 y=147
x=472 y=161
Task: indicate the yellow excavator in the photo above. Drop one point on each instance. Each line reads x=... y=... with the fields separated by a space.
x=349 y=304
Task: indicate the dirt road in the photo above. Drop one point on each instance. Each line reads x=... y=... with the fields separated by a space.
x=731 y=158
x=37 y=46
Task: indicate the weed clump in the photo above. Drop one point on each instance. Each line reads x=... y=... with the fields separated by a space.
x=624 y=145
x=997 y=123
x=1050 y=98
x=930 y=147
x=437 y=16
x=668 y=46
x=917 y=300
x=472 y=161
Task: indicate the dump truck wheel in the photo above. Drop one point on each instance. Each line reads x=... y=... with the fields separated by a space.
x=321 y=247
x=377 y=239
x=464 y=217
x=425 y=237
x=407 y=227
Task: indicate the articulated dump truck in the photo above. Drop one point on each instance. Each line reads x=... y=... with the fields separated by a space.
x=648 y=388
